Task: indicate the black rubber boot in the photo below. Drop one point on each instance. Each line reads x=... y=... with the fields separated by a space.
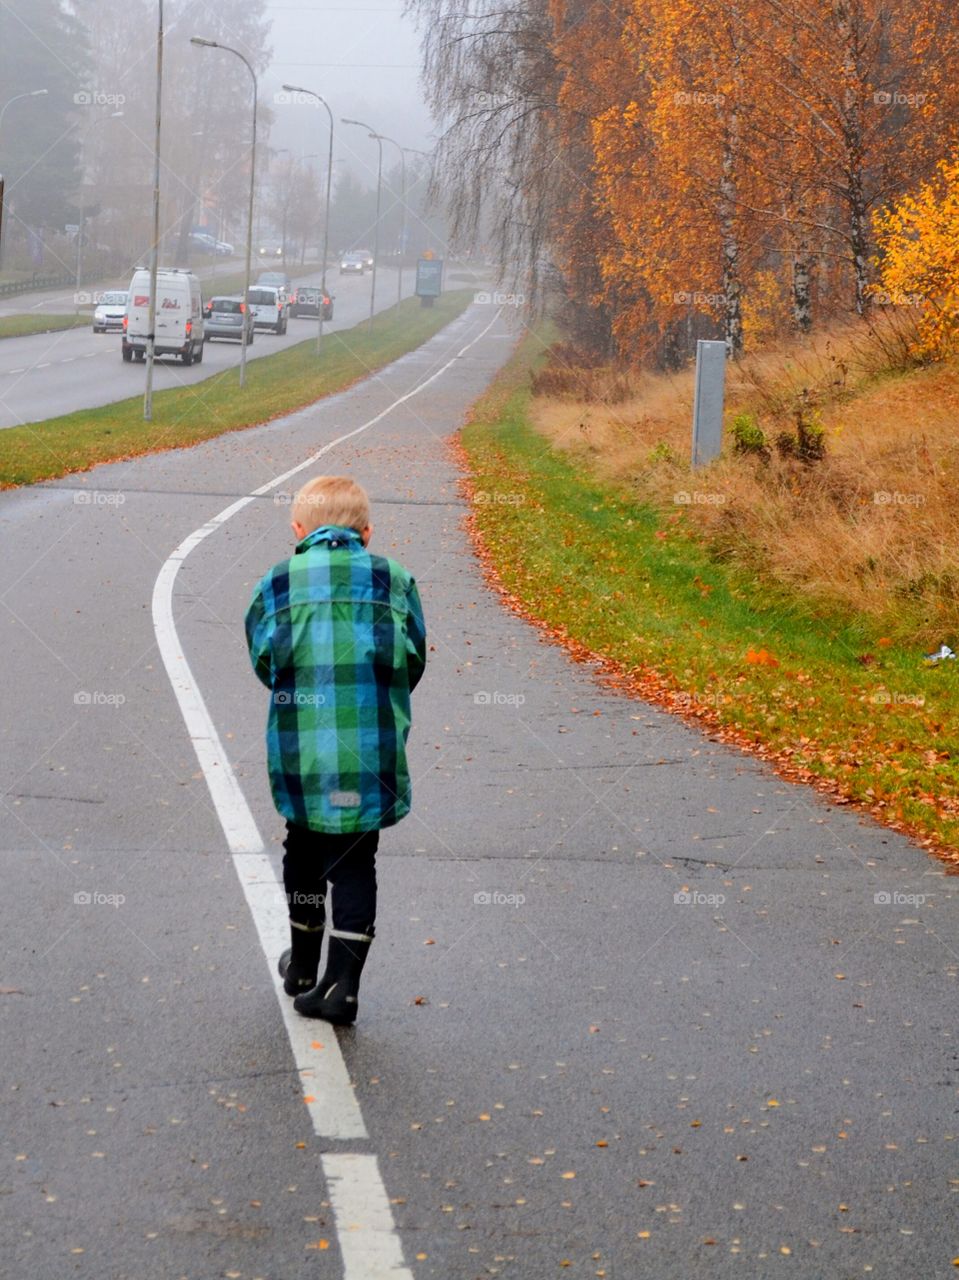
x=299 y=964
x=334 y=998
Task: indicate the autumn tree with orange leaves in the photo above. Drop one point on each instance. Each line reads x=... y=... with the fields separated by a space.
x=681 y=163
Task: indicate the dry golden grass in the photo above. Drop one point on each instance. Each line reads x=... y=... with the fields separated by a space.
x=873 y=529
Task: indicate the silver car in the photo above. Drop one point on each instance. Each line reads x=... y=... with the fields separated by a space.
x=110 y=309
x=225 y=317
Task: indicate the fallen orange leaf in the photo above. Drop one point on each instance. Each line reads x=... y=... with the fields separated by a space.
x=761 y=658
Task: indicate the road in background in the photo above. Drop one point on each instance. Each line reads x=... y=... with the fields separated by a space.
x=49 y=374
x=62 y=301
x=636 y=1007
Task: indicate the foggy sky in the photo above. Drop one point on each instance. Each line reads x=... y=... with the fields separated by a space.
x=364 y=59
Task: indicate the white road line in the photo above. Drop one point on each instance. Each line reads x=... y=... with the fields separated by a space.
x=368 y=1242
x=364 y=1223
x=327 y=1091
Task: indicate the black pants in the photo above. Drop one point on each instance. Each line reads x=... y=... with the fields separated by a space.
x=314 y=860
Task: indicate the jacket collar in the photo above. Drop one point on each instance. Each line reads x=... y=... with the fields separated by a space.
x=334 y=535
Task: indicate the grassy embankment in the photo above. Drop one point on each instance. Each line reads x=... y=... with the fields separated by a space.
x=276 y=385
x=26 y=325
x=780 y=603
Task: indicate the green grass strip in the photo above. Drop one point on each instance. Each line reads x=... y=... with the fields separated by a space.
x=275 y=385
x=25 y=326
x=826 y=696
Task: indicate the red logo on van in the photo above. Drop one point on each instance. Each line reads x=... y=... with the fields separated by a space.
x=141 y=299
x=171 y=304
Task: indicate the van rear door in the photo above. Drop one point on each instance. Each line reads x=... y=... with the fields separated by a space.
x=172 y=311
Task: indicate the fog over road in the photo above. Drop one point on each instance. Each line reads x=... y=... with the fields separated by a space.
x=636 y=1007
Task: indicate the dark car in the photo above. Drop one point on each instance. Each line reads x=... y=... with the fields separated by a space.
x=306 y=302
x=276 y=280
x=226 y=318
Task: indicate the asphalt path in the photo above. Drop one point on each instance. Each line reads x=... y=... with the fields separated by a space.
x=44 y=375
x=636 y=1007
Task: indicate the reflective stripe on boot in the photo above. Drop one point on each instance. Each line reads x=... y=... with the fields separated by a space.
x=334 y=998
x=298 y=966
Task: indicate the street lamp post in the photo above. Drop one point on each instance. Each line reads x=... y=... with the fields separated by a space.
x=215 y=44
x=155 y=246
x=379 y=196
x=290 y=88
x=114 y=115
x=17 y=97
x=399 y=273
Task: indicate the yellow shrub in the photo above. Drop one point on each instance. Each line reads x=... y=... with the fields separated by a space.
x=919 y=266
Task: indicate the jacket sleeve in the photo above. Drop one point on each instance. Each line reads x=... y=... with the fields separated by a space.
x=259 y=635
x=415 y=635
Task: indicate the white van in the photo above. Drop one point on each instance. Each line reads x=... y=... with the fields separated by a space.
x=179 y=316
x=268 y=306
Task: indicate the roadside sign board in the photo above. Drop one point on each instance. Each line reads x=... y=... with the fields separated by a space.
x=708 y=403
x=429 y=277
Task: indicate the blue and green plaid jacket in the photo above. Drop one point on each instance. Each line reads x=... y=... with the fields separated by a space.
x=337 y=635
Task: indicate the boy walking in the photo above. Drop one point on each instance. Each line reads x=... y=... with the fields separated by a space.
x=337 y=635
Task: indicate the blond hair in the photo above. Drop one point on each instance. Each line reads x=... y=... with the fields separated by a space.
x=332 y=500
